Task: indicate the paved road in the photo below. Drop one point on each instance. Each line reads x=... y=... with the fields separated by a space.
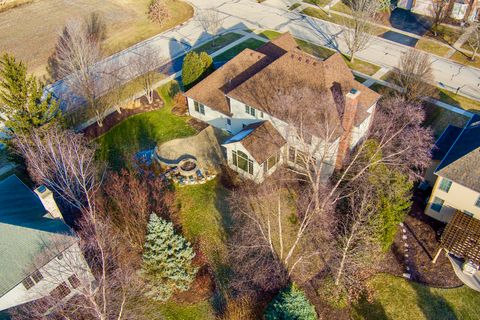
x=243 y=14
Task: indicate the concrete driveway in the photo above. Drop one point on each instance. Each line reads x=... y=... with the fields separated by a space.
x=410 y=22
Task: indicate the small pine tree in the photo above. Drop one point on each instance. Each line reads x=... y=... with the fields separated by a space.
x=22 y=99
x=196 y=66
x=167 y=260
x=290 y=304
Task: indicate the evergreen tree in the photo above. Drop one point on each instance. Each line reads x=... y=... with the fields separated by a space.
x=196 y=66
x=167 y=260
x=290 y=304
x=21 y=97
x=393 y=199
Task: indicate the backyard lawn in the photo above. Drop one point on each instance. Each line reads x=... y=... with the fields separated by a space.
x=142 y=132
x=396 y=298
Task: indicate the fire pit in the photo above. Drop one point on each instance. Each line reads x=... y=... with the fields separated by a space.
x=187 y=167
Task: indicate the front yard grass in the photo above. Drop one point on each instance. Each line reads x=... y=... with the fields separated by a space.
x=220 y=42
x=465 y=59
x=446 y=34
x=142 y=132
x=342 y=7
x=294 y=6
x=232 y=52
x=457 y=100
x=431 y=46
x=397 y=298
x=319 y=3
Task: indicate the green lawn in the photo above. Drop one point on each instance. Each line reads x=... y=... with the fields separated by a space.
x=447 y=34
x=181 y=311
x=432 y=47
x=439 y=119
x=142 y=131
x=342 y=7
x=457 y=100
x=465 y=59
x=204 y=217
x=220 y=42
x=294 y=6
x=320 y=3
x=270 y=34
x=232 y=52
x=396 y=298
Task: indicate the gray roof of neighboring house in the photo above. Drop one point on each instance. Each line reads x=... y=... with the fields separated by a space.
x=26 y=231
x=461 y=163
x=443 y=144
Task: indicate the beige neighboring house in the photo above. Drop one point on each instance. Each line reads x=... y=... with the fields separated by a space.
x=39 y=254
x=455 y=175
x=462 y=10
x=251 y=96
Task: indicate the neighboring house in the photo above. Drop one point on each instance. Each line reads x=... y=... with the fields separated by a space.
x=39 y=253
x=455 y=174
x=463 y=10
x=251 y=96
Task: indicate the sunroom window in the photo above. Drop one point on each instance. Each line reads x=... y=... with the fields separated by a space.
x=241 y=160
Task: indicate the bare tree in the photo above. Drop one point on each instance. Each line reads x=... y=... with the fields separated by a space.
x=438 y=11
x=359 y=27
x=474 y=38
x=414 y=75
x=75 y=58
x=146 y=63
x=64 y=162
x=158 y=11
x=210 y=21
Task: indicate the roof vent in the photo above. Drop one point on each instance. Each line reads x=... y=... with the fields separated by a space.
x=314 y=63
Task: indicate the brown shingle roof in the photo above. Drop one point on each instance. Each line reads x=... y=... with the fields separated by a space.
x=280 y=76
x=462 y=237
x=211 y=90
x=263 y=141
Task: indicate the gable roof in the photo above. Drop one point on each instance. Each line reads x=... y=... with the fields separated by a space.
x=444 y=143
x=26 y=229
x=460 y=164
x=211 y=90
x=278 y=69
x=261 y=140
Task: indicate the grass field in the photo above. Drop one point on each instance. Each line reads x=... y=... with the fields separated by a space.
x=229 y=54
x=220 y=42
x=465 y=59
x=38 y=23
x=397 y=299
x=142 y=132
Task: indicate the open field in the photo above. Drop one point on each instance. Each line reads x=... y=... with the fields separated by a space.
x=396 y=298
x=30 y=31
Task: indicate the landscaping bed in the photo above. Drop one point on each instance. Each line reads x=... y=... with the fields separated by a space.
x=94 y=130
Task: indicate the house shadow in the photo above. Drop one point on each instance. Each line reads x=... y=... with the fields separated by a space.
x=433 y=305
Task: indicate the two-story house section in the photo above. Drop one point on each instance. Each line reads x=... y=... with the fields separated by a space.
x=255 y=95
x=39 y=254
x=456 y=179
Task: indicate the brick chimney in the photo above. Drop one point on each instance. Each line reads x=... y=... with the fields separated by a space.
x=348 y=120
x=46 y=197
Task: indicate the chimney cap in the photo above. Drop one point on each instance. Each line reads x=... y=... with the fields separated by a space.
x=353 y=91
x=42 y=188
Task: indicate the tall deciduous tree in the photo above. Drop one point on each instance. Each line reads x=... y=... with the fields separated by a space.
x=414 y=75
x=438 y=12
x=210 y=21
x=22 y=98
x=158 y=11
x=358 y=29
x=196 y=66
x=167 y=260
x=145 y=64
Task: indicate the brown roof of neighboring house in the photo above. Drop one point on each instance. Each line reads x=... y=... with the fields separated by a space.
x=261 y=140
x=279 y=76
x=461 y=163
x=211 y=90
x=462 y=237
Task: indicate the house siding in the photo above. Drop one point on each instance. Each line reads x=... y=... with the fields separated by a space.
x=457 y=198
x=54 y=273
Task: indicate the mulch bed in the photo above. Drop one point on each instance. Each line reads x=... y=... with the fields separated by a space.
x=423 y=234
x=114 y=118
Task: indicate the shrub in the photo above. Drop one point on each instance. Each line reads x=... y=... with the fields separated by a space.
x=158 y=12
x=290 y=304
x=196 y=66
x=167 y=260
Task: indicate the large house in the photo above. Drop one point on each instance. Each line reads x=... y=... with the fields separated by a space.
x=455 y=174
x=39 y=253
x=256 y=95
x=462 y=10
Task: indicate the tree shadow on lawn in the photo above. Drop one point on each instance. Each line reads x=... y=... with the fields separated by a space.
x=433 y=306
